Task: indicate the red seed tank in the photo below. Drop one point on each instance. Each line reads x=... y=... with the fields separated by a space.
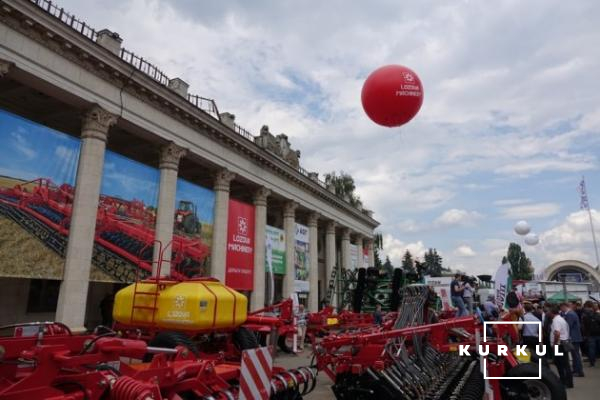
x=392 y=95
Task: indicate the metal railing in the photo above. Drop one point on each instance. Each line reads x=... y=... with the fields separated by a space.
x=66 y=18
x=243 y=132
x=209 y=106
x=144 y=66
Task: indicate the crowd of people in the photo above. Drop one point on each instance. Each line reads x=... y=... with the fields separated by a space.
x=570 y=331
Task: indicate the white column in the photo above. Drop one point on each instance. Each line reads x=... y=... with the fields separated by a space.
x=371 y=253
x=260 y=224
x=165 y=214
x=330 y=258
x=359 y=248
x=218 y=255
x=346 y=248
x=345 y=259
x=72 y=298
x=313 y=253
x=289 y=227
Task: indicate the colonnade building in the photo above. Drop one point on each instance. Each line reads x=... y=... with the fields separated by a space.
x=107 y=160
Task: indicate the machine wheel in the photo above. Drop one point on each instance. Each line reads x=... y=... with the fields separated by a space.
x=245 y=339
x=282 y=344
x=170 y=340
x=396 y=285
x=547 y=388
x=360 y=290
x=190 y=224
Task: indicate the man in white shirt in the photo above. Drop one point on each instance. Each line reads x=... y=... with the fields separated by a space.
x=530 y=331
x=559 y=335
x=468 y=296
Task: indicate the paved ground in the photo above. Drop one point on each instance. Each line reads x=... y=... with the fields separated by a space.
x=587 y=388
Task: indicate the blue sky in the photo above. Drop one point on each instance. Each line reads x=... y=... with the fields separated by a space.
x=509 y=123
x=30 y=151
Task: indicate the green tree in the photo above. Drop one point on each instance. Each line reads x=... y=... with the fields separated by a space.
x=433 y=263
x=344 y=186
x=520 y=264
x=408 y=263
x=377 y=246
x=387 y=266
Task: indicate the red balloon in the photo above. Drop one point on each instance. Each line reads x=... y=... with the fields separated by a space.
x=392 y=95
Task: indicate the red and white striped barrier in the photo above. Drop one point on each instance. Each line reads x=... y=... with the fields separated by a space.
x=257 y=368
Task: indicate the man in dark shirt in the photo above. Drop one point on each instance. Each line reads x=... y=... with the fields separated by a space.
x=378 y=315
x=575 y=336
x=456 y=290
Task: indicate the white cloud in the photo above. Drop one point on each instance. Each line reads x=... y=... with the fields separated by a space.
x=511 y=202
x=21 y=144
x=538 y=210
x=571 y=239
x=464 y=251
x=457 y=217
x=395 y=248
x=64 y=153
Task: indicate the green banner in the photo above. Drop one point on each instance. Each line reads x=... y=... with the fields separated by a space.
x=275 y=250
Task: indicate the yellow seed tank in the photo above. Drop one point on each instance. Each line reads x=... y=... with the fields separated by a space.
x=195 y=305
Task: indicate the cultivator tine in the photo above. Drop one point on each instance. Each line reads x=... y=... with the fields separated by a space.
x=286 y=385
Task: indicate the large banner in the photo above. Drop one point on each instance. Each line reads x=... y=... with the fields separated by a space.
x=38 y=166
x=275 y=250
x=301 y=259
x=239 y=272
x=501 y=284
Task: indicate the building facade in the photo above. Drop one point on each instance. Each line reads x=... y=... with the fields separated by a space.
x=113 y=171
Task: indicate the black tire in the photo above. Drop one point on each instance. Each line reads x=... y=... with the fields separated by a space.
x=547 y=388
x=396 y=285
x=244 y=339
x=359 y=292
x=190 y=224
x=170 y=340
x=281 y=343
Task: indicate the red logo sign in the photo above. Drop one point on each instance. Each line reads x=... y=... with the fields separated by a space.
x=239 y=272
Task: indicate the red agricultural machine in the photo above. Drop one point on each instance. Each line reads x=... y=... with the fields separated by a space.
x=173 y=339
x=54 y=364
x=124 y=230
x=416 y=359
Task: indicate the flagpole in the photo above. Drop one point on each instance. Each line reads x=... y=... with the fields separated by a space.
x=586 y=204
x=594 y=238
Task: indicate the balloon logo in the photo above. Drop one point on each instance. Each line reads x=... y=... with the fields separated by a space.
x=522 y=228
x=392 y=95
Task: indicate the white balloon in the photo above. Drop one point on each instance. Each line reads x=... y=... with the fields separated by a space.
x=532 y=239
x=522 y=228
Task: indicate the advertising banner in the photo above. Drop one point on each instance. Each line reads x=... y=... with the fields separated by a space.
x=38 y=166
x=239 y=267
x=301 y=259
x=441 y=285
x=501 y=284
x=275 y=250
x=366 y=258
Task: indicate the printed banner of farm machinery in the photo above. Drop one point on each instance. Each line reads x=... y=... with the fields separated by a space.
x=38 y=167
